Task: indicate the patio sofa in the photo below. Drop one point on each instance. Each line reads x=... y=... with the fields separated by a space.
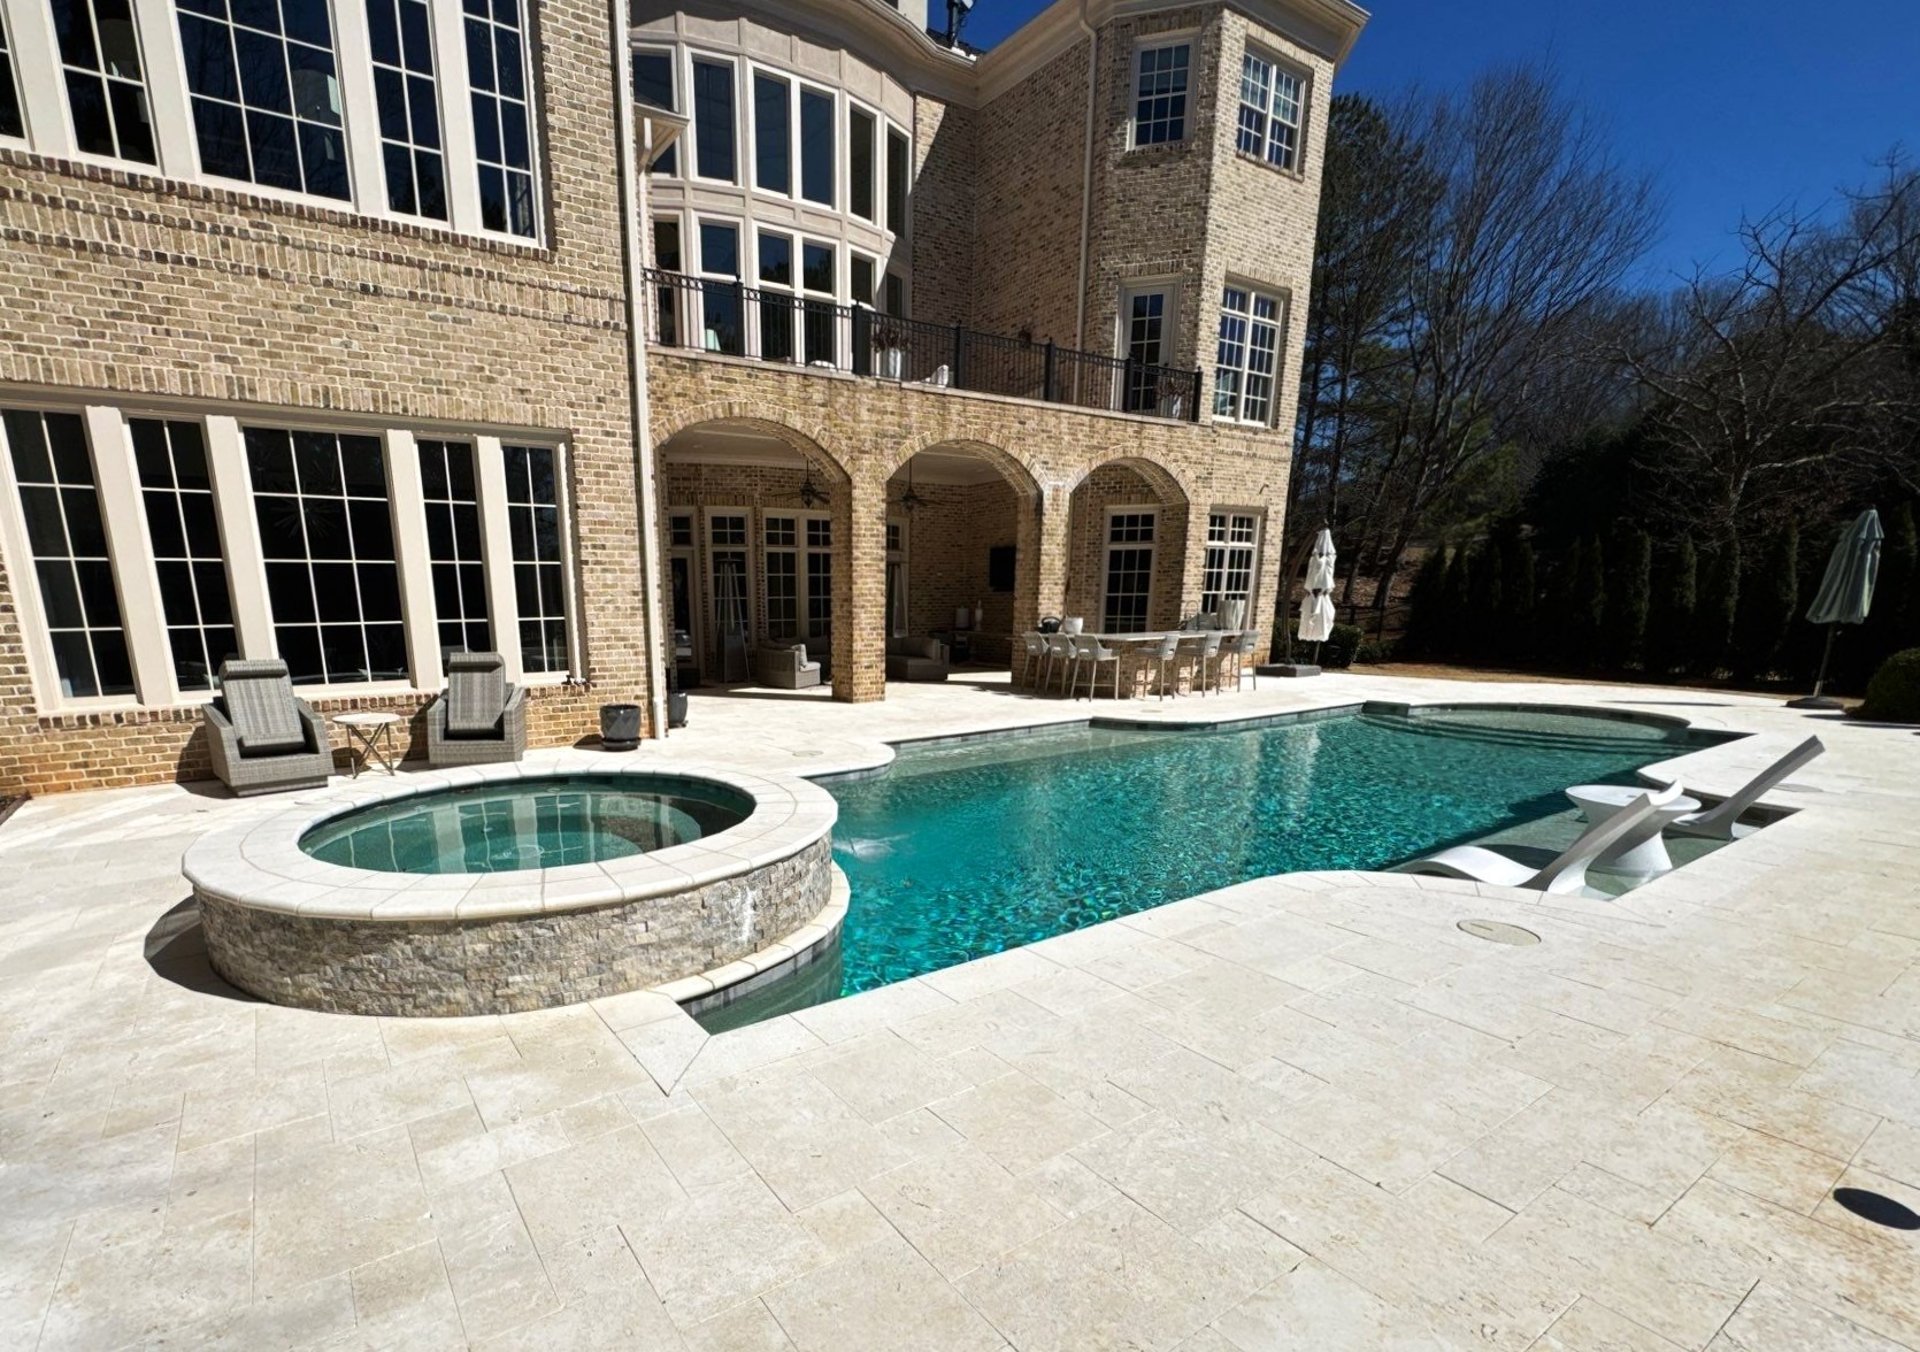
x=481 y=718
x=917 y=659
x=787 y=666
x=264 y=738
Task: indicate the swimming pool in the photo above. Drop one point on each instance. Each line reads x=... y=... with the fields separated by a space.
x=964 y=849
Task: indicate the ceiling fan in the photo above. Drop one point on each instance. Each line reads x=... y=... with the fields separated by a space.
x=811 y=494
x=910 y=499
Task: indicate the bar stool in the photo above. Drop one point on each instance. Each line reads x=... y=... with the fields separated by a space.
x=1060 y=650
x=1036 y=646
x=1242 y=652
x=1088 y=651
x=1168 y=650
x=1206 y=662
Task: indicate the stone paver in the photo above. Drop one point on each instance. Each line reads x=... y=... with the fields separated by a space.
x=1300 y=1112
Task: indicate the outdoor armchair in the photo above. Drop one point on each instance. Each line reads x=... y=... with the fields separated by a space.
x=263 y=737
x=787 y=666
x=481 y=717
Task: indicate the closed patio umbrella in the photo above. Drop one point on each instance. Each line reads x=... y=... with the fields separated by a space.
x=1846 y=593
x=1316 y=608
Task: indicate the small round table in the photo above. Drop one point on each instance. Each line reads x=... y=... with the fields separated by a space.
x=373 y=733
x=1642 y=852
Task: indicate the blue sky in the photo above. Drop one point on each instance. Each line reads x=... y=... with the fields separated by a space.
x=1732 y=105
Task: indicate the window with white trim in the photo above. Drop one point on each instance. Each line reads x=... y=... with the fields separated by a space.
x=497 y=72
x=72 y=567
x=326 y=533
x=798 y=548
x=713 y=120
x=668 y=298
x=777 y=303
x=896 y=576
x=862 y=168
x=1269 y=112
x=408 y=96
x=819 y=325
x=654 y=84
x=106 y=88
x=899 y=178
x=453 y=546
x=727 y=581
x=723 y=325
x=1160 y=94
x=539 y=566
x=13 y=123
x=176 y=490
x=266 y=94
x=1246 y=356
x=1129 y=570
x=1146 y=318
x=816 y=145
x=1233 y=539
x=772 y=133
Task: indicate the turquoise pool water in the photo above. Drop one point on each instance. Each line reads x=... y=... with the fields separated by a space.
x=527 y=823
x=966 y=849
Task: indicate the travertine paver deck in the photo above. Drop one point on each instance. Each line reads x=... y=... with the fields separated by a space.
x=1303 y=1112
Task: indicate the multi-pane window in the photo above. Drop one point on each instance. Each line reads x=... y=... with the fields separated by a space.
x=106 y=93
x=1129 y=571
x=816 y=146
x=720 y=299
x=266 y=93
x=799 y=573
x=1269 y=126
x=818 y=326
x=1228 y=575
x=502 y=114
x=539 y=570
x=1145 y=332
x=772 y=133
x=1248 y=349
x=899 y=174
x=1160 y=95
x=776 y=299
x=862 y=127
x=713 y=120
x=177 y=492
x=68 y=541
x=11 y=121
x=727 y=584
x=405 y=87
x=453 y=546
x=896 y=577
x=326 y=533
x=819 y=577
x=781 y=538
x=654 y=84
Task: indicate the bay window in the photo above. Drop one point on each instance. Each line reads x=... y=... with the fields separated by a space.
x=816 y=146
x=654 y=84
x=772 y=133
x=713 y=120
x=862 y=127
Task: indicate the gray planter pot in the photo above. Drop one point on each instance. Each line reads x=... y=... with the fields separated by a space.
x=619 y=727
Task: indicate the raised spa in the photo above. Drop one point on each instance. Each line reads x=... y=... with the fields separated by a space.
x=490 y=889
x=529 y=824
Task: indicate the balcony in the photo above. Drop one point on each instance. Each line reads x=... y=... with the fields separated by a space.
x=699 y=314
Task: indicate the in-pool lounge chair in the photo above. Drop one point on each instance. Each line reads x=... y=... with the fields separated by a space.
x=264 y=738
x=1718 y=820
x=480 y=718
x=1567 y=874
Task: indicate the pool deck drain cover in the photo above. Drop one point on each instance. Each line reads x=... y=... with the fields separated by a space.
x=1499 y=932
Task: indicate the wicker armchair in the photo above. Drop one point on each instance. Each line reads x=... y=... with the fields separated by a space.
x=480 y=718
x=787 y=665
x=264 y=738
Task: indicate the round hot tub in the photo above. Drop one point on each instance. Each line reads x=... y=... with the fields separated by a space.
x=499 y=888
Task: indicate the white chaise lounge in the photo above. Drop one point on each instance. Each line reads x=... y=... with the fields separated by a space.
x=1567 y=874
x=1718 y=821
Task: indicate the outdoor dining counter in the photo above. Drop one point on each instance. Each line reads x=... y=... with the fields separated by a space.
x=1129 y=645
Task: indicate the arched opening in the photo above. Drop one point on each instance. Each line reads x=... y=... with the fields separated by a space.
x=963 y=558
x=755 y=516
x=1127 y=548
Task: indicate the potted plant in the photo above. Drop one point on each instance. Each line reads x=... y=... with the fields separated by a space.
x=619 y=727
x=889 y=339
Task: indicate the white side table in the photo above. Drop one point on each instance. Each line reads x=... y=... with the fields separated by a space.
x=369 y=739
x=1642 y=852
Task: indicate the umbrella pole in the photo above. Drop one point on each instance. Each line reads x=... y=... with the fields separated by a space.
x=1817 y=700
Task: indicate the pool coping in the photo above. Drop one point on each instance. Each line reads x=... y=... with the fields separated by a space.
x=259 y=865
x=720 y=986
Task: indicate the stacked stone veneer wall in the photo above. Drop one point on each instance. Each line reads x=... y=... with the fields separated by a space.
x=138 y=291
x=517 y=963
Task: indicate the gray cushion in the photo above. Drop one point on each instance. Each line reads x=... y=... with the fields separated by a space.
x=476 y=692
x=261 y=706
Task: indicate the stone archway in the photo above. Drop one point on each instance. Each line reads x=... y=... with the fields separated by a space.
x=1128 y=539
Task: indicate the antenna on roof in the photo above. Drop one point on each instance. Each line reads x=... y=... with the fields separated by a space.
x=957 y=11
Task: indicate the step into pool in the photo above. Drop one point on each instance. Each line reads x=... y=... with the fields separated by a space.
x=963 y=849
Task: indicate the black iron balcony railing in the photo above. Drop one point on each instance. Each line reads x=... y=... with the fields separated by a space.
x=705 y=315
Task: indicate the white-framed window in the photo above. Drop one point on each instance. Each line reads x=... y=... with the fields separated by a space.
x=655 y=82
x=537 y=529
x=1161 y=76
x=723 y=326
x=772 y=112
x=13 y=122
x=1127 y=594
x=893 y=297
x=1247 y=355
x=183 y=530
x=669 y=299
x=818 y=143
x=729 y=579
x=1270 y=101
x=52 y=469
x=497 y=66
x=450 y=493
x=715 y=129
x=863 y=271
x=321 y=500
x=101 y=67
x=406 y=91
x=777 y=283
x=1147 y=325
x=899 y=178
x=1233 y=543
x=863 y=165
x=820 y=316
x=896 y=575
x=265 y=89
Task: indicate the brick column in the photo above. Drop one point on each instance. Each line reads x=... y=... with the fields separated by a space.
x=860 y=589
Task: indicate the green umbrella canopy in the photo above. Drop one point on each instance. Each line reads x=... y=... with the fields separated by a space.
x=1847 y=589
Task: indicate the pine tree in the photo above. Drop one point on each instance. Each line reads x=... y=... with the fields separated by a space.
x=1672 y=624
x=1426 y=603
x=1715 y=608
x=1893 y=620
x=1457 y=639
x=1766 y=605
x=1488 y=617
x=1523 y=603
x=1629 y=598
x=1589 y=611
